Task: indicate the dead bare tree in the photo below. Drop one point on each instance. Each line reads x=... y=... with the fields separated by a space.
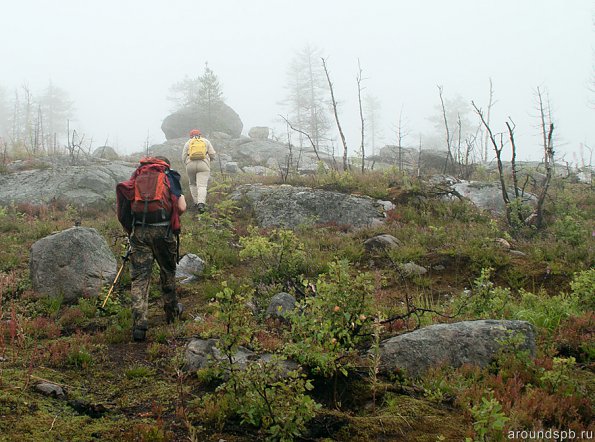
x=75 y=144
x=147 y=144
x=488 y=115
x=466 y=168
x=448 y=137
x=401 y=134
x=515 y=180
x=285 y=173
x=587 y=168
x=27 y=123
x=547 y=130
x=38 y=137
x=4 y=147
x=334 y=103
x=498 y=150
x=419 y=158
x=307 y=135
x=361 y=114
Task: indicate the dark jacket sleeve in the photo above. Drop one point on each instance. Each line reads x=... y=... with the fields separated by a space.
x=174 y=182
x=124 y=194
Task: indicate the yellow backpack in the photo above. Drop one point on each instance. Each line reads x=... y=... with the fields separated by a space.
x=197 y=149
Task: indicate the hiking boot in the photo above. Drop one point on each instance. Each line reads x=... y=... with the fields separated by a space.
x=172 y=316
x=201 y=207
x=139 y=334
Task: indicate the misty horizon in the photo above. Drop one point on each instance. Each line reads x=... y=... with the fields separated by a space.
x=117 y=63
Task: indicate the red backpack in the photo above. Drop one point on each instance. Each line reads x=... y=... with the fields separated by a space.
x=152 y=197
x=146 y=198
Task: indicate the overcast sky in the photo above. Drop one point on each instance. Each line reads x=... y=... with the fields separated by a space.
x=118 y=58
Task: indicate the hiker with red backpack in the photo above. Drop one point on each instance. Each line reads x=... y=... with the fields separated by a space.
x=149 y=206
x=197 y=155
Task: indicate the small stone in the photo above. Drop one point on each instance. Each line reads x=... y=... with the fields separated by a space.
x=412 y=269
x=517 y=253
x=280 y=304
x=50 y=389
x=503 y=243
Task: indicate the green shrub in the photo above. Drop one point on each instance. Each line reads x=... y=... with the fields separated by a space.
x=274 y=400
x=88 y=307
x=120 y=324
x=279 y=257
x=561 y=379
x=485 y=299
x=79 y=358
x=212 y=237
x=545 y=311
x=233 y=314
x=139 y=371
x=571 y=229
x=51 y=305
x=583 y=287
x=488 y=420
x=327 y=326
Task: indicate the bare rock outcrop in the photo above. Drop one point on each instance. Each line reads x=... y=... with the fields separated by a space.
x=259 y=132
x=78 y=185
x=488 y=196
x=289 y=206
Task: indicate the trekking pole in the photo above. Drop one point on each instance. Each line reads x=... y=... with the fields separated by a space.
x=111 y=289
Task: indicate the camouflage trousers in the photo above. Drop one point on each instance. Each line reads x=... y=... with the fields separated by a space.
x=148 y=244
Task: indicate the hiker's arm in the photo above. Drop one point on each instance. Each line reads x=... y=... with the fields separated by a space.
x=181 y=204
x=185 y=153
x=211 y=150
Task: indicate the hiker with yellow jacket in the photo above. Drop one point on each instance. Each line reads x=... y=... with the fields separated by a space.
x=197 y=156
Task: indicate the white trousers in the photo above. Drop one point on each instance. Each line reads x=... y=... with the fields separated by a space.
x=198 y=178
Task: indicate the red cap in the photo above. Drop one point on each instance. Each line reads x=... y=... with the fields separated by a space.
x=194 y=132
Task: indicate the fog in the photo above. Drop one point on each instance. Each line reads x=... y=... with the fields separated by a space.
x=118 y=59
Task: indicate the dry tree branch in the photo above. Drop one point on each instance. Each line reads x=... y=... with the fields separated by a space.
x=334 y=102
x=303 y=133
x=361 y=114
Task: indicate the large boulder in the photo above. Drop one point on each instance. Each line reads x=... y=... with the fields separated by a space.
x=259 y=171
x=427 y=161
x=253 y=151
x=488 y=196
x=80 y=186
x=222 y=119
x=467 y=342
x=273 y=154
x=106 y=153
x=289 y=206
x=74 y=263
x=259 y=132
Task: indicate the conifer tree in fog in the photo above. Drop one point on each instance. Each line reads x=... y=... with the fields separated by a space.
x=35 y=122
x=4 y=113
x=210 y=96
x=55 y=109
x=305 y=100
x=372 y=107
x=204 y=91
